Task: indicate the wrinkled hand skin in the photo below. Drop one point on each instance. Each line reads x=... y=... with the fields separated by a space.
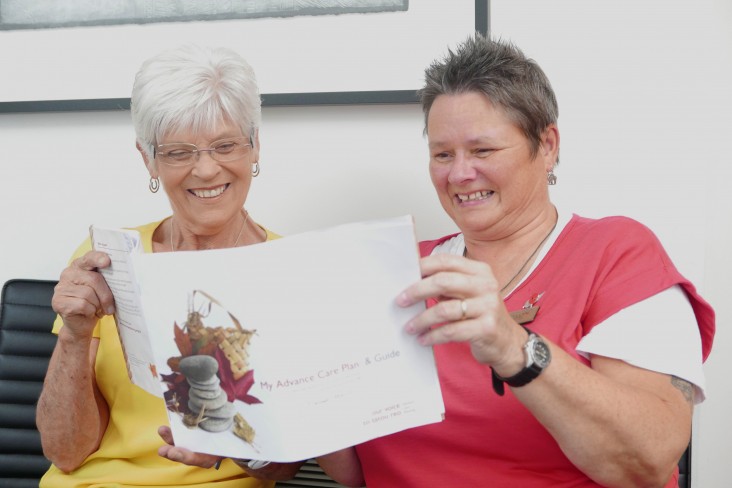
x=82 y=296
x=494 y=337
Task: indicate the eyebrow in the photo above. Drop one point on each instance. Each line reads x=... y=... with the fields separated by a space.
x=471 y=142
x=217 y=139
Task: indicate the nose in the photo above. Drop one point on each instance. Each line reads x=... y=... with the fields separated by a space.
x=461 y=169
x=205 y=166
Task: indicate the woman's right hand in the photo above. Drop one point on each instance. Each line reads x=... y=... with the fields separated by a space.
x=82 y=296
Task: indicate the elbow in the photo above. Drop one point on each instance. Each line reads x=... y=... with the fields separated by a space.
x=646 y=480
x=639 y=475
x=655 y=476
x=65 y=463
x=66 y=468
x=64 y=458
x=61 y=454
x=654 y=471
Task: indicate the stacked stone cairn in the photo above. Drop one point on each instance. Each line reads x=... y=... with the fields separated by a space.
x=205 y=393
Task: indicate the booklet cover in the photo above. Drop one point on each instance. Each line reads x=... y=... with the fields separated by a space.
x=284 y=350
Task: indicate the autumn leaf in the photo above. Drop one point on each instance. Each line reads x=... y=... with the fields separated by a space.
x=182 y=341
x=176 y=398
x=235 y=389
x=208 y=349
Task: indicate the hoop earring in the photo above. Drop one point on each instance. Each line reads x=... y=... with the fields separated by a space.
x=255 y=169
x=154 y=185
x=551 y=178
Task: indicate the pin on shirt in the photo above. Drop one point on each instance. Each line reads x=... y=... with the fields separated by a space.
x=528 y=311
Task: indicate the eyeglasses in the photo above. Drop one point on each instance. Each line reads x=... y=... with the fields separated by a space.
x=182 y=154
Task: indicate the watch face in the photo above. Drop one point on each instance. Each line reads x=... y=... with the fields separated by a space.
x=541 y=353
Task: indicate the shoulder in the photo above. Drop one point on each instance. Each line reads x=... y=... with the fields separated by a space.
x=631 y=265
x=146 y=230
x=611 y=226
x=270 y=235
x=616 y=235
x=426 y=247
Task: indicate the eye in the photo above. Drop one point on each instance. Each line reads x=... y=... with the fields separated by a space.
x=442 y=157
x=179 y=154
x=225 y=147
x=483 y=152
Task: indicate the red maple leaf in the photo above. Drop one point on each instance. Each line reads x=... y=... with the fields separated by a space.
x=235 y=389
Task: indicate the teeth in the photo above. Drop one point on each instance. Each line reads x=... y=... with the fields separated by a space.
x=209 y=193
x=478 y=195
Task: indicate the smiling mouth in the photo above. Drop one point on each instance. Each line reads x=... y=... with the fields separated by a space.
x=475 y=196
x=210 y=193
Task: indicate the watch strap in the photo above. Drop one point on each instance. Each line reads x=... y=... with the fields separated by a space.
x=523 y=377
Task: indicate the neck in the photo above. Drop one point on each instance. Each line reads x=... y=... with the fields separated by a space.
x=197 y=242
x=511 y=257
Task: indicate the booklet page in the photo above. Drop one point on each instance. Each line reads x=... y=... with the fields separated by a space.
x=120 y=244
x=292 y=348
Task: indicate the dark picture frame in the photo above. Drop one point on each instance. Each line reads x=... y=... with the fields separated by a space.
x=346 y=97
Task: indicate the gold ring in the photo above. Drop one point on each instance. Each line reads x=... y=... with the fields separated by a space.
x=464 y=308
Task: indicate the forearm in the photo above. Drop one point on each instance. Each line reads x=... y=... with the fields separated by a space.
x=622 y=427
x=71 y=415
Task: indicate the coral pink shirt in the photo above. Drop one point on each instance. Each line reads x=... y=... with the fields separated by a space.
x=594 y=269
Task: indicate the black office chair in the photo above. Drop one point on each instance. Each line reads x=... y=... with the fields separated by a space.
x=26 y=344
x=685 y=469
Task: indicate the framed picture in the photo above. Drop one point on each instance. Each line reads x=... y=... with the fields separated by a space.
x=307 y=59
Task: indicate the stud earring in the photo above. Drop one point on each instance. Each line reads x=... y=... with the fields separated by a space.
x=551 y=178
x=255 y=169
x=154 y=185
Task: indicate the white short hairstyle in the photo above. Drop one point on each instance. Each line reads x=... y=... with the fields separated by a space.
x=193 y=88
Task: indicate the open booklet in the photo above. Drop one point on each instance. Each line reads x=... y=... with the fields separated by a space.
x=278 y=351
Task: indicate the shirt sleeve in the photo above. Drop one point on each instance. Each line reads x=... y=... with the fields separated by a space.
x=664 y=338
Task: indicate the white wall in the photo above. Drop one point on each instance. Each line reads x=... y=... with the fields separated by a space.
x=644 y=97
x=644 y=94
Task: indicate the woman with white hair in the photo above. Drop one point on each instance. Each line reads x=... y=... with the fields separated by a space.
x=196 y=113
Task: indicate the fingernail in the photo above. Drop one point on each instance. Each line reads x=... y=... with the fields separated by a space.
x=402 y=300
x=409 y=328
x=110 y=310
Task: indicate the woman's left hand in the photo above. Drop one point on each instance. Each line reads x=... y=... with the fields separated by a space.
x=183 y=455
x=469 y=309
x=269 y=471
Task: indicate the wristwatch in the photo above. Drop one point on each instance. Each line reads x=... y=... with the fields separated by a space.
x=538 y=356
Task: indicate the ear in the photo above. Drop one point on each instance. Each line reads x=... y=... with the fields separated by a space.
x=255 y=140
x=549 y=149
x=149 y=164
